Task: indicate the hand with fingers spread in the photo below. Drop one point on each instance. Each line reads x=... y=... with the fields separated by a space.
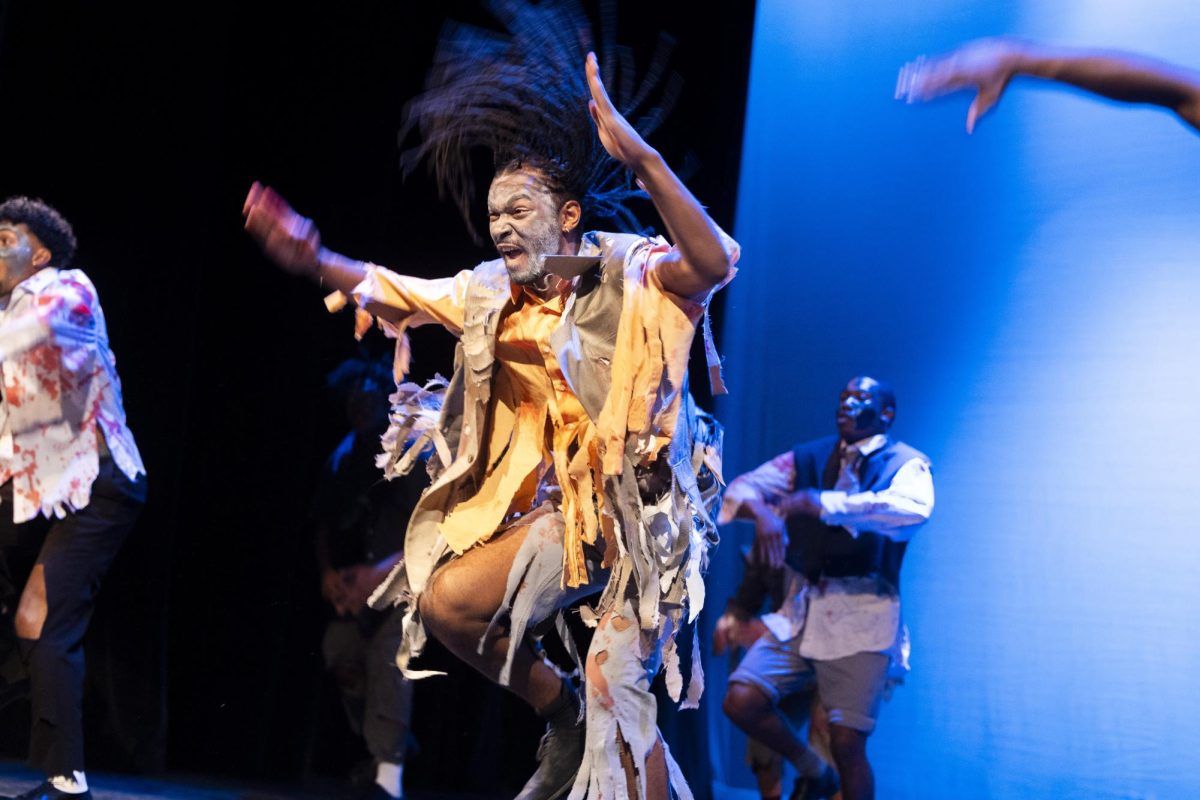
x=701 y=261
x=289 y=239
x=987 y=66
x=620 y=139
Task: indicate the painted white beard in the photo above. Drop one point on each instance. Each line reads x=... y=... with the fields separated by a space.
x=534 y=271
x=535 y=258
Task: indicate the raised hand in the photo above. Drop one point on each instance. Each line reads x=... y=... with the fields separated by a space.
x=620 y=139
x=770 y=540
x=360 y=580
x=985 y=65
x=289 y=239
x=333 y=588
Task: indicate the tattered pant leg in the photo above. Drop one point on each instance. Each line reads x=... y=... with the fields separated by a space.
x=535 y=591
x=75 y=556
x=622 y=712
x=388 y=708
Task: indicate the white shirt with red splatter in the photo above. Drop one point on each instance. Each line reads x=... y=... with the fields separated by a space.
x=61 y=407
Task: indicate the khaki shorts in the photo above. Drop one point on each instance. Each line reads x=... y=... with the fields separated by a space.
x=850 y=689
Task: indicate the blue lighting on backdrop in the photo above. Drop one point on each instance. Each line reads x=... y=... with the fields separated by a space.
x=1033 y=293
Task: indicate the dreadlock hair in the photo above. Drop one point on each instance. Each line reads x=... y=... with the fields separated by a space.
x=522 y=96
x=44 y=222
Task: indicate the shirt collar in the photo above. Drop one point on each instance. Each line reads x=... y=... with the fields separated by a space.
x=867 y=446
x=31 y=285
x=555 y=302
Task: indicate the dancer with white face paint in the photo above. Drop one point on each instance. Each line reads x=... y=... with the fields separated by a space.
x=832 y=520
x=72 y=483
x=571 y=459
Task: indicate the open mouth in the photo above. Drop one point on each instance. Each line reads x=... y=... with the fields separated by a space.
x=509 y=251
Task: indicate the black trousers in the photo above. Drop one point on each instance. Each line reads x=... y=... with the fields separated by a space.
x=75 y=552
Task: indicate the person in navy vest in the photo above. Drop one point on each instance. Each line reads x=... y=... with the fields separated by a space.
x=832 y=520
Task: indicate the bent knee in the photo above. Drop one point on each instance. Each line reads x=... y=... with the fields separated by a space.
x=448 y=602
x=745 y=701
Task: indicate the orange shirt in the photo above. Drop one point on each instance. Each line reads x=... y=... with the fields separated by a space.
x=535 y=420
x=537 y=429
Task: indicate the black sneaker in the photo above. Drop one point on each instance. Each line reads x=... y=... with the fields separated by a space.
x=807 y=788
x=559 y=756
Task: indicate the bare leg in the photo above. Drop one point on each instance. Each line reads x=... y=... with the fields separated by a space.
x=458 y=605
x=752 y=711
x=850 y=755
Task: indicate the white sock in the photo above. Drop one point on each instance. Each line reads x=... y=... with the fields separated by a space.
x=390 y=778
x=810 y=764
x=75 y=783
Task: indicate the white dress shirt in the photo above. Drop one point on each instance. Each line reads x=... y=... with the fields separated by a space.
x=844 y=615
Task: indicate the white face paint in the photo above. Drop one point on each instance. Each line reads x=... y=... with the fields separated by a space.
x=523 y=223
x=16 y=257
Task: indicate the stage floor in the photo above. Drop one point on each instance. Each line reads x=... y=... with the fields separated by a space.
x=15 y=778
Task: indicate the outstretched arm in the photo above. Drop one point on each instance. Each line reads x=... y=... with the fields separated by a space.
x=988 y=65
x=700 y=261
x=293 y=242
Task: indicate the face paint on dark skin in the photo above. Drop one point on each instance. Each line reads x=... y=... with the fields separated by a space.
x=863 y=414
x=860 y=413
x=523 y=220
x=16 y=257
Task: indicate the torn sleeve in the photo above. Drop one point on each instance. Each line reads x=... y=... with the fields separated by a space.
x=406 y=301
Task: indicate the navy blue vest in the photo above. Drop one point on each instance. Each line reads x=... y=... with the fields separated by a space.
x=817 y=550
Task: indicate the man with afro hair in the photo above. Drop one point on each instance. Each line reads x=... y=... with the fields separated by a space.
x=72 y=481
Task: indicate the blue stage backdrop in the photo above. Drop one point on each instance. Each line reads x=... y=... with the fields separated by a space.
x=1033 y=293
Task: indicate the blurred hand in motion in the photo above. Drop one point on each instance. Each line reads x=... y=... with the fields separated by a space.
x=333 y=589
x=985 y=65
x=289 y=239
x=359 y=581
x=733 y=632
x=804 y=503
x=619 y=138
x=770 y=539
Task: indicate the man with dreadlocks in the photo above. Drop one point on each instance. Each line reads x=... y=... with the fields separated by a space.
x=569 y=449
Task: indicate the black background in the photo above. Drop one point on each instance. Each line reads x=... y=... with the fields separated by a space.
x=145 y=125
